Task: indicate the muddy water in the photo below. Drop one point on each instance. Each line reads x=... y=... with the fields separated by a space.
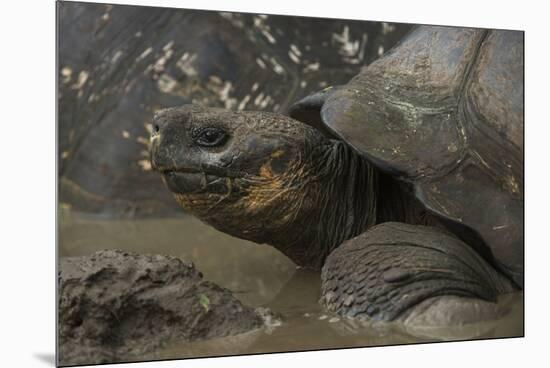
x=259 y=276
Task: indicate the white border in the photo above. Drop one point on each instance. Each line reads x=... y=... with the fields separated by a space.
x=28 y=172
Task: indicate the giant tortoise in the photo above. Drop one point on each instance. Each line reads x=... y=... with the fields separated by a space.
x=405 y=186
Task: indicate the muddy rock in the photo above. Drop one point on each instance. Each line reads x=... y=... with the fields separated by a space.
x=115 y=305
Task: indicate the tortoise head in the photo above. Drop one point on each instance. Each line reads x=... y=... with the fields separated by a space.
x=249 y=174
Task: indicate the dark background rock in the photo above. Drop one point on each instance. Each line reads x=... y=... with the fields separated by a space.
x=115 y=306
x=118 y=64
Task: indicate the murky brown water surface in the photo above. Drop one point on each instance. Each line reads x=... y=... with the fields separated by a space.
x=259 y=276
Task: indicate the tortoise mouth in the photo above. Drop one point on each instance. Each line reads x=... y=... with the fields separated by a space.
x=183 y=170
x=192 y=181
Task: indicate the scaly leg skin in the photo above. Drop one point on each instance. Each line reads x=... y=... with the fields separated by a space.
x=419 y=275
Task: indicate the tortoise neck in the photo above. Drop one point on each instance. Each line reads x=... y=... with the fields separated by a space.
x=337 y=196
x=356 y=195
x=347 y=199
x=325 y=195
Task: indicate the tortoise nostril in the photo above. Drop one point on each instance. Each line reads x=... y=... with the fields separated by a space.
x=158 y=125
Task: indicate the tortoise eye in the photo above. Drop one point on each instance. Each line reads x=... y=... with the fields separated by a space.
x=210 y=137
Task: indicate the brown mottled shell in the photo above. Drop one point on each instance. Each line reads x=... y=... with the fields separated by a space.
x=444 y=111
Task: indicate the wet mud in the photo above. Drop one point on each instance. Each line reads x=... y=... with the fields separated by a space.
x=116 y=306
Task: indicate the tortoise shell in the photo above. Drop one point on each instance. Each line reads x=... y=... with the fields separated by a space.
x=443 y=110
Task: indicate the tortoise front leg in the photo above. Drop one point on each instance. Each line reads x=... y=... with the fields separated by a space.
x=396 y=271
